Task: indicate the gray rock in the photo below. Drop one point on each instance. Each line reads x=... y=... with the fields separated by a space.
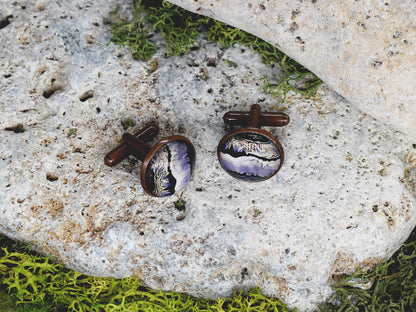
x=343 y=199
x=365 y=51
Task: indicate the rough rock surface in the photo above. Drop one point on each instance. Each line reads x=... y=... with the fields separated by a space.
x=364 y=50
x=343 y=199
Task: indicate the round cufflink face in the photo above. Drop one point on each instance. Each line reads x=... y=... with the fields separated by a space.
x=168 y=166
x=250 y=154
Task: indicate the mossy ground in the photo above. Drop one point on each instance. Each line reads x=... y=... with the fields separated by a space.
x=32 y=282
x=393 y=285
x=181 y=29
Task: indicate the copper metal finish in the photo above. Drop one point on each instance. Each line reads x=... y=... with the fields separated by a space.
x=267 y=119
x=119 y=153
x=251 y=122
x=136 y=145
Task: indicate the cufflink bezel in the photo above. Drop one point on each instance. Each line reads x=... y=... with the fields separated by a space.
x=160 y=174
x=239 y=150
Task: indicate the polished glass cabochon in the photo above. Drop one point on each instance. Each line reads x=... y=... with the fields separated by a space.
x=170 y=168
x=250 y=156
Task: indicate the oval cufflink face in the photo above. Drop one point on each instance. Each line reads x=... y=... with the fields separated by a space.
x=170 y=167
x=252 y=156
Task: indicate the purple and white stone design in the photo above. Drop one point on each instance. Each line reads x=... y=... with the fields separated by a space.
x=250 y=156
x=170 y=168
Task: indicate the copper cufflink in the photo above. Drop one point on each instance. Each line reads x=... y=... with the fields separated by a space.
x=167 y=166
x=248 y=153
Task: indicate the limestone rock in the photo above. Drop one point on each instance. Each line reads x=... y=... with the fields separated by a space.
x=364 y=50
x=343 y=199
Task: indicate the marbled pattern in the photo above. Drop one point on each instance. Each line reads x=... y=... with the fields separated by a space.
x=250 y=156
x=170 y=168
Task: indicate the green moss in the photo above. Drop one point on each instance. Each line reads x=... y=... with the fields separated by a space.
x=16 y=129
x=128 y=123
x=180 y=30
x=231 y=63
x=31 y=282
x=134 y=34
x=6 y=303
x=72 y=132
x=180 y=204
x=294 y=78
x=393 y=285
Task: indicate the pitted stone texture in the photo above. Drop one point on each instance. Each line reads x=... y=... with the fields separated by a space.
x=364 y=50
x=343 y=198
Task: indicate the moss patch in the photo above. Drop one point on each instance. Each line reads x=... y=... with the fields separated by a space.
x=134 y=34
x=32 y=282
x=180 y=30
x=391 y=285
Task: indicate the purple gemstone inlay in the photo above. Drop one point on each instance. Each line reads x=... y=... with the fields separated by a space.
x=170 y=168
x=250 y=156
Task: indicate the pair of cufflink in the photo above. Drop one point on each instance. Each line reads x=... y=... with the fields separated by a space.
x=248 y=153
